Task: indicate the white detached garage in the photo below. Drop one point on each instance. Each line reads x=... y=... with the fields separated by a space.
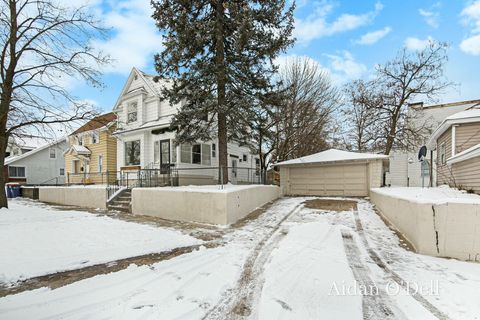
x=332 y=173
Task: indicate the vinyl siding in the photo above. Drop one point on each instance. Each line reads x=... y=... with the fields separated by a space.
x=106 y=147
x=467 y=174
x=444 y=175
x=467 y=135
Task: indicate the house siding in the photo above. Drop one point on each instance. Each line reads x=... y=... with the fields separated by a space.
x=106 y=147
x=444 y=174
x=467 y=174
x=40 y=168
x=464 y=174
x=466 y=136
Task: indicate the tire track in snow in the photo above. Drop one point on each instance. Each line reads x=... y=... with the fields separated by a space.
x=393 y=275
x=376 y=305
x=237 y=302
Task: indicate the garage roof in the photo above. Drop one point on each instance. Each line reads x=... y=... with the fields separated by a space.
x=333 y=155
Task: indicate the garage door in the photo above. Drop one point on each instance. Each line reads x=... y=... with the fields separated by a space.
x=335 y=180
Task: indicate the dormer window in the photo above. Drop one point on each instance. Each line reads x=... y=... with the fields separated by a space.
x=132 y=112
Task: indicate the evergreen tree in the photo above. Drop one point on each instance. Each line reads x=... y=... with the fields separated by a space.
x=218 y=55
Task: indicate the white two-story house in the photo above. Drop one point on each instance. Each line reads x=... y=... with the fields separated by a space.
x=145 y=140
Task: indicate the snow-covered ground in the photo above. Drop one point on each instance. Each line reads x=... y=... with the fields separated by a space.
x=289 y=263
x=36 y=240
x=436 y=195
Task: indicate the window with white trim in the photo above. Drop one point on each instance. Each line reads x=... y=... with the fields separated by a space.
x=196 y=154
x=62 y=171
x=100 y=163
x=52 y=153
x=95 y=138
x=16 y=172
x=132 y=153
x=132 y=112
x=442 y=154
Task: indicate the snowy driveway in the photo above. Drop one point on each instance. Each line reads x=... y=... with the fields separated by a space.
x=291 y=262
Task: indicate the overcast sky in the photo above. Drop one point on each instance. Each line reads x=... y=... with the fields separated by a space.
x=346 y=37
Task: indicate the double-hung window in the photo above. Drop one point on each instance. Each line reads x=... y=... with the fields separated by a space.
x=94 y=138
x=132 y=112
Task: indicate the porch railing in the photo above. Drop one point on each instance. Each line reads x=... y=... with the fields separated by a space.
x=168 y=176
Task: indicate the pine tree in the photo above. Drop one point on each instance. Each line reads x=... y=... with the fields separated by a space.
x=218 y=55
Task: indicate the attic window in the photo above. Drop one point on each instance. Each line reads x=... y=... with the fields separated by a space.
x=135 y=77
x=132 y=112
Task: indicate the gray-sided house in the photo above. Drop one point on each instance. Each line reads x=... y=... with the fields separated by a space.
x=404 y=168
x=43 y=165
x=457 y=145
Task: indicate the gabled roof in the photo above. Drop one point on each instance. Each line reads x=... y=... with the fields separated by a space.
x=30 y=141
x=78 y=149
x=96 y=123
x=147 y=79
x=10 y=160
x=332 y=155
x=467 y=116
x=467 y=104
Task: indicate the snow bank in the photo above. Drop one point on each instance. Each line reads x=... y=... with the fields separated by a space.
x=438 y=195
x=39 y=240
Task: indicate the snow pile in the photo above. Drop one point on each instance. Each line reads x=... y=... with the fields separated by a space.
x=437 y=195
x=37 y=240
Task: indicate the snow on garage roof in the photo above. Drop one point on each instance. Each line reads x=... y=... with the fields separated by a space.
x=333 y=155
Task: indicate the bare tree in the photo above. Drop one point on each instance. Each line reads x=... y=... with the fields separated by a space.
x=303 y=116
x=360 y=115
x=43 y=45
x=399 y=82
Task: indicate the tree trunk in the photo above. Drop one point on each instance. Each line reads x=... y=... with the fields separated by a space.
x=221 y=80
x=3 y=147
x=6 y=98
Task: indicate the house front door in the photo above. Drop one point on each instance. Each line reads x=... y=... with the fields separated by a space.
x=164 y=156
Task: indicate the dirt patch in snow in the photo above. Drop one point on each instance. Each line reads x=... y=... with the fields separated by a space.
x=64 y=278
x=331 y=204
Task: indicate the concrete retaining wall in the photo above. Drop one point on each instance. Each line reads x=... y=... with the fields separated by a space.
x=445 y=230
x=86 y=197
x=202 y=205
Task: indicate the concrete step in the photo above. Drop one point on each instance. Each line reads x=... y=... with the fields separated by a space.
x=117 y=201
x=119 y=208
x=123 y=198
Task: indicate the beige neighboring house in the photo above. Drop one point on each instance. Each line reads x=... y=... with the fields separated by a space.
x=92 y=153
x=332 y=173
x=457 y=145
x=405 y=170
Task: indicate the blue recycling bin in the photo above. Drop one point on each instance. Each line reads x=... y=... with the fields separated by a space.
x=9 y=191
x=13 y=190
